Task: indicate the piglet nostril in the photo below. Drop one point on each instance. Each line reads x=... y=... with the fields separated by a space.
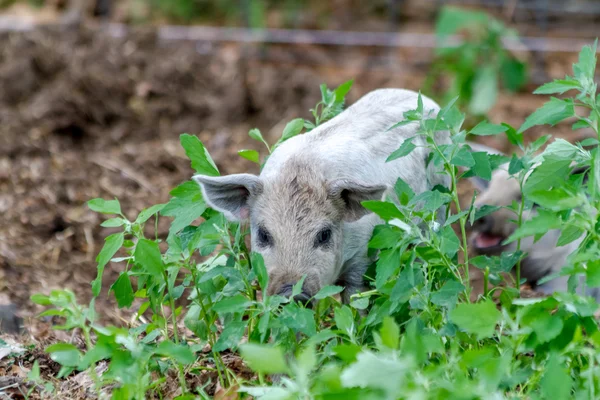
x=303 y=298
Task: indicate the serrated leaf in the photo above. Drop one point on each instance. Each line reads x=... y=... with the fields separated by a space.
x=482 y=167
x=328 y=291
x=185 y=206
x=264 y=358
x=555 y=199
x=477 y=318
x=147 y=255
x=558 y=86
x=463 y=158
x=551 y=113
x=123 y=290
x=569 y=235
x=342 y=90
x=198 y=155
x=112 y=244
x=403 y=191
x=447 y=296
x=384 y=209
x=540 y=224
x=484 y=128
x=105 y=206
x=405 y=149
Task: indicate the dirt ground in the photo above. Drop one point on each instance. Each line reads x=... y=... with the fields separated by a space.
x=84 y=115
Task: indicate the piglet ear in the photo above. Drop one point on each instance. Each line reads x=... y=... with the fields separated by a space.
x=229 y=194
x=350 y=194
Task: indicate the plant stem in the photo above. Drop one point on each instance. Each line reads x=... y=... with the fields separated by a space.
x=519 y=222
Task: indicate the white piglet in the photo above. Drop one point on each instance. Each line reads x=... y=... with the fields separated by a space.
x=304 y=208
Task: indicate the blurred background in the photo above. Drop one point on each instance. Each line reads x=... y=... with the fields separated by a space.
x=94 y=95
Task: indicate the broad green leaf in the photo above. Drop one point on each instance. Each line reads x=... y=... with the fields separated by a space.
x=293 y=128
x=251 y=155
x=112 y=244
x=515 y=165
x=264 y=358
x=328 y=291
x=147 y=255
x=113 y=223
x=384 y=209
x=299 y=319
x=149 y=212
x=546 y=326
x=485 y=90
x=258 y=266
x=403 y=191
x=477 y=318
x=378 y=371
x=447 y=296
x=514 y=74
x=556 y=199
x=256 y=135
x=198 y=155
x=513 y=136
x=482 y=167
x=569 y=235
x=123 y=290
x=186 y=206
x=433 y=200
x=233 y=304
x=105 y=206
x=405 y=149
x=387 y=265
x=540 y=224
x=344 y=320
x=65 y=354
x=551 y=113
x=342 y=90
x=41 y=299
x=195 y=323
x=179 y=352
x=586 y=66
x=390 y=333
x=463 y=158
x=558 y=86
x=449 y=242
x=556 y=382
x=231 y=336
x=551 y=171
x=484 y=128
x=592 y=273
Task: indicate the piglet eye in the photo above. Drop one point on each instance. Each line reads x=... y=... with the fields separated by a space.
x=323 y=237
x=264 y=237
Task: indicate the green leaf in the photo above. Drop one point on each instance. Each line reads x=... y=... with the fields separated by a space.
x=482 y=167
x=65 y=354
x=149 y=212
x=390 y=333
x=569 y=235
x=263 y=358
x=328 y=291
x=123 y=290
x=185 y=206
x=558 y=86
x=378 y=371
x=194 y=323
x=384 y=209
x=256 y=135
x=546 y=326
x=484 y=128
x=584 y=69
x=405 y=149
x=112 y=244
x=463 y=158
x=342 y=90
x=433 y=200
x=514 y=74
x=251 y=155
x=592 y=273
x=556 y=382
x=147 y=255
x=344 y=320
x=513 y=136
x=551 y=113
x=233 y=304
x=231 y=336
x=556 y=199
x=477 y=318
x=447 y=296
x=403 y=191
x=485 y=90
x=540 y=224
x=197 y=153
x=551 y=171
x=293 y=128
x=113 y=223
x=258 y=266
x=178 y=352
x=387 y=265
x=105 y=206
x=449 y=242
x=41 y=299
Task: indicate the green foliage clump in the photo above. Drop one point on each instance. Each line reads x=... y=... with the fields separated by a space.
x=414 y=334
x=477 y=68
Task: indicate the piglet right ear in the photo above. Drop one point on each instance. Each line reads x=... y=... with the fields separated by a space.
x=229 y=194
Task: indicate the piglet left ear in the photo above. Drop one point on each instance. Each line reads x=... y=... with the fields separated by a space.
x=350 y=194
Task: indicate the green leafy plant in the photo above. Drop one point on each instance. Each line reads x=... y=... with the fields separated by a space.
x=415 y=333
x=475 y=69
